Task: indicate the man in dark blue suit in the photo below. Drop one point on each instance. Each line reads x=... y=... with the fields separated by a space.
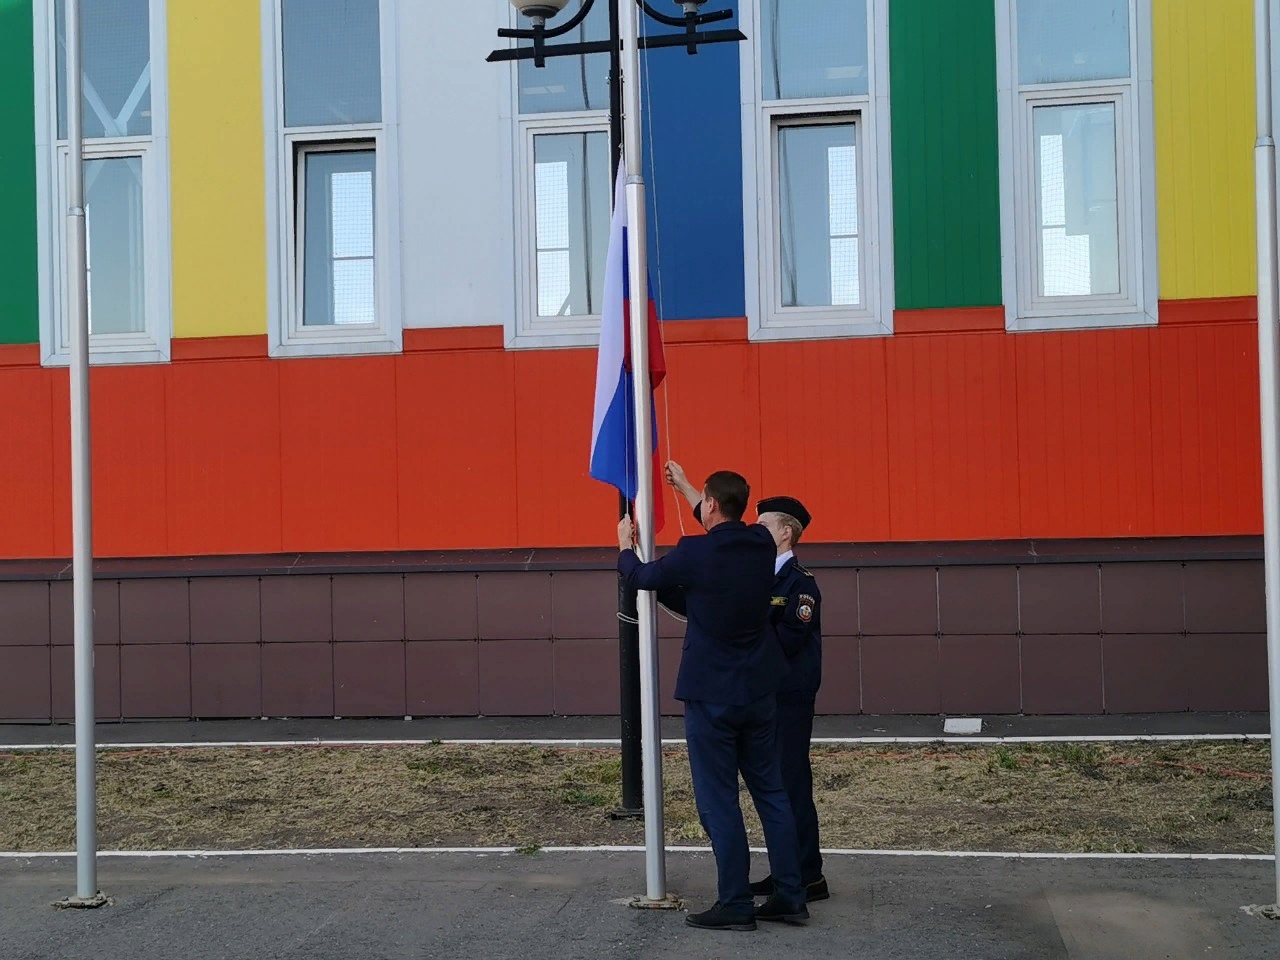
x=796 y=618
x=729 y=672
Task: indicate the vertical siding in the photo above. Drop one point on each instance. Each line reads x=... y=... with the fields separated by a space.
x=217 y=168
x=1084 y=431
x=951 y=403
x=823 y=431
x=1204 y=101
x=946 y=173
x=19 y=310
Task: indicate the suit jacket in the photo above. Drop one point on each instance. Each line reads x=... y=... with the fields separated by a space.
x=730 y=655
x=795 y=616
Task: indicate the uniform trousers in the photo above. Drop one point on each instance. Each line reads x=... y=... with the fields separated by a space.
x=795 y=731
x=723 y=742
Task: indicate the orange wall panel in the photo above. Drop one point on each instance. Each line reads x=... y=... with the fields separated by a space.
x=1084 y=433
x=456 y=437
x=1206 y=430
x=556 y=501
x=224 y=457
x=824 y=435
x=130 y=486
x=466 y=445
x=953 y=445
x=338 y=454
x=26 y=461
x=709 y=419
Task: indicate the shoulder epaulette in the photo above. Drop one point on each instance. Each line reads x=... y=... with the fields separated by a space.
x=800 y=569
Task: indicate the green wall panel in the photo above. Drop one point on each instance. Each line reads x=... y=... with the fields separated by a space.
x=19 y=309
x=946 y=174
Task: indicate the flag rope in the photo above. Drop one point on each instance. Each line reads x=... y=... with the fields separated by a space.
x=662 y=313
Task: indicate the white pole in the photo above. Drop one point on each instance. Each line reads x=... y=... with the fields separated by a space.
x=81 y=503
x=654 y=831
x=1265 y=184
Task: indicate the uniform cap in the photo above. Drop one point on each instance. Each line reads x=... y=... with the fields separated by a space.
x=788 y=505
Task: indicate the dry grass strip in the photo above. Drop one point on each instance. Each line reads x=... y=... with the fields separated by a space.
x=1191 y=797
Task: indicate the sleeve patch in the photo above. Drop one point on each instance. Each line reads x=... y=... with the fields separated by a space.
x=806 y=608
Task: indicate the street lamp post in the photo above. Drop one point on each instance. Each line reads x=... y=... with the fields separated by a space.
x=641 y=770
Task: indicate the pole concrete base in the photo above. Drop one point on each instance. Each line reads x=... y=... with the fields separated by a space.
x=84 y=903
x=669 y=902
x=1269 y=912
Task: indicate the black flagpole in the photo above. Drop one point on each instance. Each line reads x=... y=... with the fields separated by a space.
x=628 y=614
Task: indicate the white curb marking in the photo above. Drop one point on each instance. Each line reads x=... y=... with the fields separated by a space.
x=506 y=851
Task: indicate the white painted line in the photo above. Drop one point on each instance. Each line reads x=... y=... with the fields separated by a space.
x=506 y=851
x=605 y=742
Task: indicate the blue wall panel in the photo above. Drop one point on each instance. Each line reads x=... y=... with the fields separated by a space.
x=693 y=174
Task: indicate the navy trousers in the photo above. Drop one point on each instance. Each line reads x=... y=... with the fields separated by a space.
x=723 y=742
x=795 y=730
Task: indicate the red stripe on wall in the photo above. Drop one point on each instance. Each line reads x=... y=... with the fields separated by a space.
x=219 y=348
x=1219 y=310
x=954 y=320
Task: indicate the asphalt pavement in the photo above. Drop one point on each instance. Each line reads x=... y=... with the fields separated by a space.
x=572 y=905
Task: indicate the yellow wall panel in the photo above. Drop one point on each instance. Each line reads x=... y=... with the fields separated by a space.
x=1205 y=128
x=215 y=111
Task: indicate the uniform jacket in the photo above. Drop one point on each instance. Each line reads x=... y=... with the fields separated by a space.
x=795 y=616
x=730 y=656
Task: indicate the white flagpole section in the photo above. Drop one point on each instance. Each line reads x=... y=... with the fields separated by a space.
x=81 y=502
x=637 y=248
x=1265 y=183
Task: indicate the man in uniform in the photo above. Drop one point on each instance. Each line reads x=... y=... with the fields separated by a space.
x=795 y=615
x=795 y=618
x=729 y=671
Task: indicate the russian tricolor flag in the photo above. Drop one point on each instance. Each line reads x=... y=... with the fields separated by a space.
x=613 y=429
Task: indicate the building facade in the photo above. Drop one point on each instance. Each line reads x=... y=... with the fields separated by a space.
x=975 y=279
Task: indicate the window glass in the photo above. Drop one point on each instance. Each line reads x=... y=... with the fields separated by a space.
x=813 y=48
x=818 y=215
x=338 y=246
x=114 y=243
x=571 y=221
x=115 y=54
x=332 y=62
x=1072 y=40
x=569 y=83
x=1079 y=224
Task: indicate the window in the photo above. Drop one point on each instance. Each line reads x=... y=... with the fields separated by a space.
x=563 y=191
x=817 y=168
x=1077 y=163
x=333 y=254
x=125 y=179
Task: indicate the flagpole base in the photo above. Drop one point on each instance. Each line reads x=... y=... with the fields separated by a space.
x=83 y=903
x=627 y=813
x=1268 y=912
x=669 y=902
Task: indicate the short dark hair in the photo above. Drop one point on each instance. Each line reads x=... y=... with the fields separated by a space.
x=731 y=491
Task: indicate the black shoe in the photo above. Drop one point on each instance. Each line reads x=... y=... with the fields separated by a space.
x=813 y=891
x=817 y=890
x=777 y=909
x=763 y=888
x=717 y=918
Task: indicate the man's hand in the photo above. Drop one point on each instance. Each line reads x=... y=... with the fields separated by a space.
x=676 y=477
x=626 y=534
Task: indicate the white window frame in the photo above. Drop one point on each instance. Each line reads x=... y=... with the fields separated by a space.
x=1137 y=303
x=152 y=343
x=287 y=336
x=533 y=330
x=767 y=319
x=524 y=329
